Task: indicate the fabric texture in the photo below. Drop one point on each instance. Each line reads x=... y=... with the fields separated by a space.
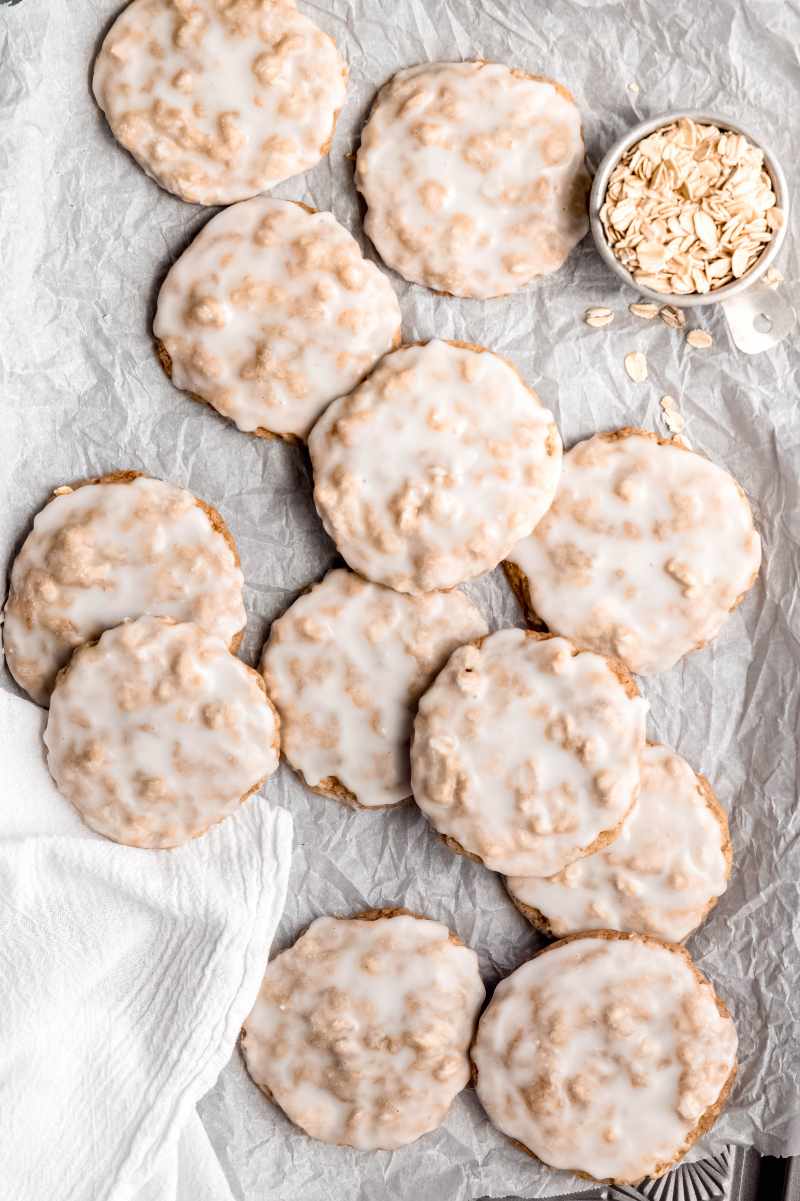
x=125 y=976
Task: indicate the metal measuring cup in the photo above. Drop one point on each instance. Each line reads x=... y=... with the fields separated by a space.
x=757 y=315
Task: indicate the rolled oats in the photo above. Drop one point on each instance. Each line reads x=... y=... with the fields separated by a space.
x=689 y=208
x=636 y=366
x=672 y=317
x=700 y=339
x=598 y=317
x=673 y=418
x=644 y=309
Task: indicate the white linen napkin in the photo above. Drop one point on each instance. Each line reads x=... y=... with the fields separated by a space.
x=125 y=976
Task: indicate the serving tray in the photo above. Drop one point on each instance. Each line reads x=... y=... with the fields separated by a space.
x=736 y=1174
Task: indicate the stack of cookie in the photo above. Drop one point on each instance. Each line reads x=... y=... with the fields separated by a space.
x=608 y=1053
x=124 y=613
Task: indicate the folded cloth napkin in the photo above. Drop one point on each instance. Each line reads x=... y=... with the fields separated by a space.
x=125 y=976
x=194 y=1174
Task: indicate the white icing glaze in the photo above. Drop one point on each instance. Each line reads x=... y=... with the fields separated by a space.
x=272 y=312
x=645 y=550
x=429 y=471
x=601 y=1055
x=474 y=176
x=157 y=732
x=526 y=752
x=659 y=876
x=345 y=667
x=218 y=100
x=361 y=1030
x=105 y=552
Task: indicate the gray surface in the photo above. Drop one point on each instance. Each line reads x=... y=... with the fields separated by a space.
x=84 y=240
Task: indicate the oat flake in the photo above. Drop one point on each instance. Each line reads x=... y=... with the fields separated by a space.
x=636 y=366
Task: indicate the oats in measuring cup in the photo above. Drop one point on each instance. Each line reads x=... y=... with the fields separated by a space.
x=690 y=208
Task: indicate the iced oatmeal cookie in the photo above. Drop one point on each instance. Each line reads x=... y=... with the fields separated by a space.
x=112 y=548
x=645 y=551
x=606 y=1054
x=526 y=752
x=361 y=1029
x=345 y=666
x=665 y=870
x=434 y=467
x=218 y=100
x=474 y=177
x=157 y=732
x=271 y=313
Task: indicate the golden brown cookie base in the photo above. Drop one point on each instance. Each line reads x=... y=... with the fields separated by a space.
x=375 y=915
x=333 y=789
x=710 y=798
x=216 y=519
x=165 y=359
x=521 y=589
x=535 y=916
x=707 y=1119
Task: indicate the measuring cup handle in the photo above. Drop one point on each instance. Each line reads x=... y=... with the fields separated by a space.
x=759 y=318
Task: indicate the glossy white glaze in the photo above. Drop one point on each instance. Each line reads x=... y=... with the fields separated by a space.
x=602 y=1055
x=427 y=473
x=527 y=752
x=272 y=312
x=644 y=552
x=474 y=177
x=219 y=100
x=157 y=732
x=361 y=1029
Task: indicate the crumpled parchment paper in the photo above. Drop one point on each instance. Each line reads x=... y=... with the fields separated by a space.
x=85 y=239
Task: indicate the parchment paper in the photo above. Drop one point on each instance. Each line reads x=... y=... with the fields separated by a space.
x=85 y=239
